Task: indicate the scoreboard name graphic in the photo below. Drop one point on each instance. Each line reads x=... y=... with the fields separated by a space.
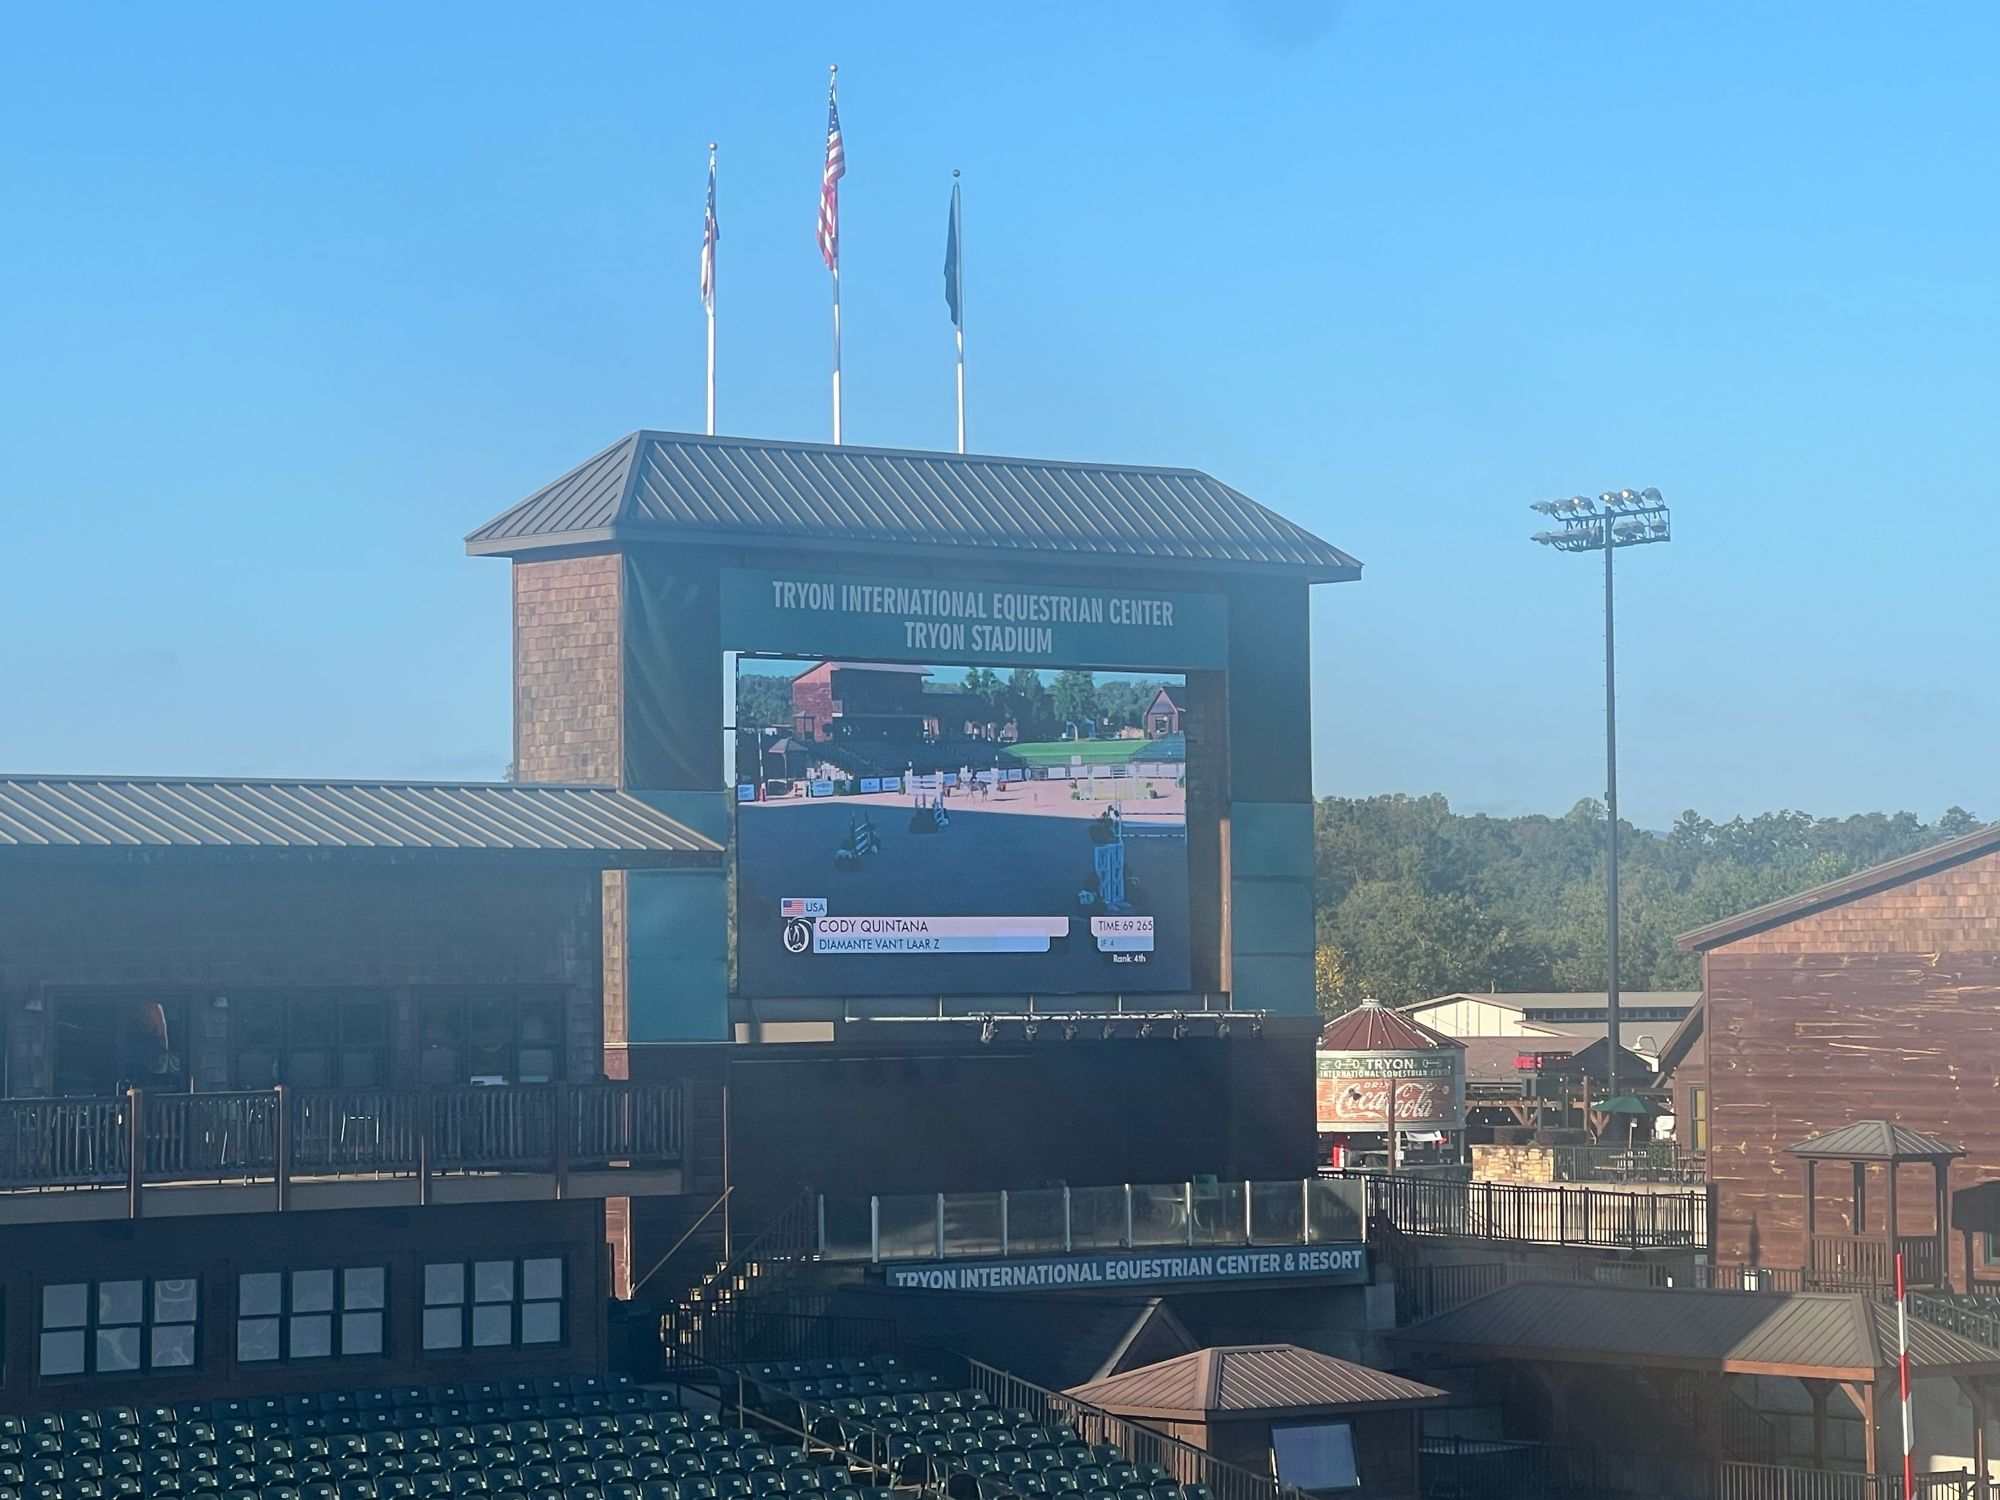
x=809 y=928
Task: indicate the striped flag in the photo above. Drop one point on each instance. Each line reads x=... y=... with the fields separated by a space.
x=829 y=185
x=709 y=235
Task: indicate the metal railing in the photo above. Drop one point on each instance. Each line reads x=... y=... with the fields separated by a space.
x=1071 y=1220
x=1597 y=1218
x=1183 y=1462
x=1656 y=1161
x=281 y=1135
x=1974 y=1315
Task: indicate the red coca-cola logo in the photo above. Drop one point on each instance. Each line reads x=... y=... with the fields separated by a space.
x=1359 y=1101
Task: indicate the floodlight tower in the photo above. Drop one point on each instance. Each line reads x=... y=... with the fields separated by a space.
x=1618 y=518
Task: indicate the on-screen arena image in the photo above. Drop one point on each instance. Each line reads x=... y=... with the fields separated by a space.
x=919 y=830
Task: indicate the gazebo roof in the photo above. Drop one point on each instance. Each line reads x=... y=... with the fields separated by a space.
x=1372 y=1026
x=1250 y=1380
x=1875 y=1140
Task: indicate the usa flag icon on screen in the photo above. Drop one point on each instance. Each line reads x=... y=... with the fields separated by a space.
x=802 y=906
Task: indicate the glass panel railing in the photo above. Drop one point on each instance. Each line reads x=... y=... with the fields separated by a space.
x=971 y=1224
x=1051 y=1220
x=909 y=1226
x=1218 y=1213
x=1097 y=1218
x=1277 y=1213
x=1335 y=1209
x=846 y=1221
x=1035 y=1222
x=1159 y=1213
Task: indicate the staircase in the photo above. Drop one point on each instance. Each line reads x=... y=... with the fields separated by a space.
x=718 y=1315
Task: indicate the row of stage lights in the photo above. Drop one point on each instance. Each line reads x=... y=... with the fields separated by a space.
x=1177 y=1025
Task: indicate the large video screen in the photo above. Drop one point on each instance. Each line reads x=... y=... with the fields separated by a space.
x=950 y=830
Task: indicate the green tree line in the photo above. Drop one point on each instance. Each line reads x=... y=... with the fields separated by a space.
x=1415 y=900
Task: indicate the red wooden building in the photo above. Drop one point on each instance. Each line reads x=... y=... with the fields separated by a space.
x=1874 y=997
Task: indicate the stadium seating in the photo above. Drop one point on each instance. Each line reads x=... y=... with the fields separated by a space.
x=580 y=1438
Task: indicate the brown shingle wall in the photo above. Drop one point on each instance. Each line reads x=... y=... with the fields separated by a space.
x=1953 y=911
x=567 y=669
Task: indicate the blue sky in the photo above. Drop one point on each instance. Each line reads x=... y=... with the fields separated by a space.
x=293 y=296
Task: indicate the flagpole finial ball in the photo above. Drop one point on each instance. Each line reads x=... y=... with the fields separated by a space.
x=711 y=145
x=954 y=171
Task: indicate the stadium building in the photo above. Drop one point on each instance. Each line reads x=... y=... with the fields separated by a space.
x=329 y=1101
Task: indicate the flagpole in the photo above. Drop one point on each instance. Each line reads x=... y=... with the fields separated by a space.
x=711 y=297
x=832 y=78
x=958 y=329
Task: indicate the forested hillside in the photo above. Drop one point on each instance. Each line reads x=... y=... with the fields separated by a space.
x=1416 y=900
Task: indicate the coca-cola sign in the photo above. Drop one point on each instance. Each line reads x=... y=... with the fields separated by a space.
x=1354 y=1090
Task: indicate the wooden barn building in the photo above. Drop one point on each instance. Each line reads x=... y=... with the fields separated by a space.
x=1875 y=998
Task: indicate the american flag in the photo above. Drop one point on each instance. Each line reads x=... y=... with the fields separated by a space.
x=709 y=235
x=829 y=186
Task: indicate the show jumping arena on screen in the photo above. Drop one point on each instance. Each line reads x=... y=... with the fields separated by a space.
x=898 y=856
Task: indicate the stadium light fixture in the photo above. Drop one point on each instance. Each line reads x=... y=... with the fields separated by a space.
x=1030 y=1031
x=987 y=1031
x=1630 y=518
x=1145 y=1029
x=1221 y=1028
x=1110 y=1030
x=1069 y=1031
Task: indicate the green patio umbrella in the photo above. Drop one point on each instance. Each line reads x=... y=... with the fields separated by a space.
x=1625 y=1104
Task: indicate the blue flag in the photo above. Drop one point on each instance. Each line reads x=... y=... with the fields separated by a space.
x=952 y=289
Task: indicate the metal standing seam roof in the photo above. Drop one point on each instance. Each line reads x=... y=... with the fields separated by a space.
x=146 y=812
x=1842 y=1335
x=1875 y=1140
x=1246 y=1379
x=683 y=486
x=1372 y=1026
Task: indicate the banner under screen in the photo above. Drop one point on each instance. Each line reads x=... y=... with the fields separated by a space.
x=906 y=829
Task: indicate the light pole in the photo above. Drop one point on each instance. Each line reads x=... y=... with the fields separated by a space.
x=1618 y=518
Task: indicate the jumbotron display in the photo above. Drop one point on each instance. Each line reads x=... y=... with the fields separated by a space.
x=932 y=830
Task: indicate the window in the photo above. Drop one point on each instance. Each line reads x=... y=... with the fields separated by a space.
x=1697 y=1121
x=471 y=1038
x=493 y=1304
x=1317 y=1456
x=126 y=1327
x=311 y=1041
x=304 y=1315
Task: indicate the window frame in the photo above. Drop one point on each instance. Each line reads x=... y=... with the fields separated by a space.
x=468 y=1304
x=456 y=1007
x=93 y=1324
x=1697 y=1113
x=1353 y=1453
x=336 y=1315
x=287 y=1045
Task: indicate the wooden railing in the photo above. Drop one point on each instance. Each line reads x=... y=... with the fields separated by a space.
x=1604 y=1218
x=1866 y=1261
x=283 y=1135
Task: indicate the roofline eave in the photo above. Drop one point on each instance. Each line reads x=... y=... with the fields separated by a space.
x=1863 y=883
x=598 y=537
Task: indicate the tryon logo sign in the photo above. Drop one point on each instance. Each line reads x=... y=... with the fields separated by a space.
x=1337 y=1263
